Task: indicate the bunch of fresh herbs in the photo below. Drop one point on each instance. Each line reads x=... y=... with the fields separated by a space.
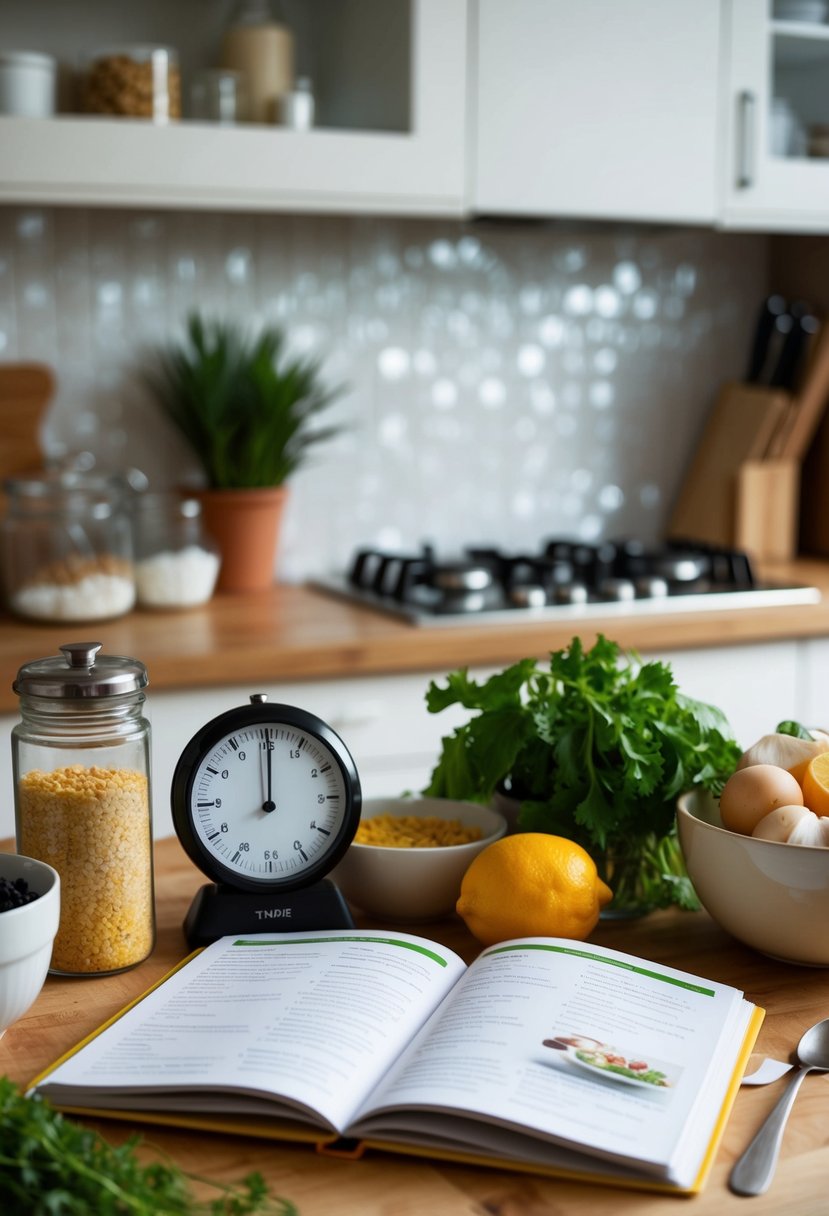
x=247 y=409
x=51 y=1166
x=596 y=748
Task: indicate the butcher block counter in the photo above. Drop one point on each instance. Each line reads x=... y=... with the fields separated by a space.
x=293 y=633
x=386 y=1185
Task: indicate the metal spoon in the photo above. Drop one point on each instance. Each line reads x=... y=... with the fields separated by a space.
x=753 y=1172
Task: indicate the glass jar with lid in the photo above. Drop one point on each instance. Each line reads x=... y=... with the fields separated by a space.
x=66 y=548
x=176 y=562
x=133 y=81
x=81 y=767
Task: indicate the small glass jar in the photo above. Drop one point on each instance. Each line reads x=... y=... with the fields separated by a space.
x=81 y=768
x=176 y=563
x=218 y=95
x=133 y=82
x=66 y=548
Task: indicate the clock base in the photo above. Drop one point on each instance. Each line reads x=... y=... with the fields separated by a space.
x=218 y=910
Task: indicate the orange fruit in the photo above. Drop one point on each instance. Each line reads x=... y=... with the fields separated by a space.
x=531 y=885
x=816 y=784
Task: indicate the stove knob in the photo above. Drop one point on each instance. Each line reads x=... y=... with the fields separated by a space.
x=571 y=593
x=651 y=587
x=621 y=590
x=528 y=595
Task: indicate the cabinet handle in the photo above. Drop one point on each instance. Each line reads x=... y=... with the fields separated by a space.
x=746 y=120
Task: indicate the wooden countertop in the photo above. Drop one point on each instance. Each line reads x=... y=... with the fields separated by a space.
x=794 y=998
x=295 y=633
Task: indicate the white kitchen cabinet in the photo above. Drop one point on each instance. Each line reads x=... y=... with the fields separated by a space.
x=416 y=167
x=776 y=94
x=597 y=109
x=756 y=686
x=396 y=742
x=384 y=722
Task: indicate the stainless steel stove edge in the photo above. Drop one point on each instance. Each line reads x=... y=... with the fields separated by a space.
x=760 y=596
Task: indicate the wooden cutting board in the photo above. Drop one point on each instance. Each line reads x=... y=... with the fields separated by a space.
x=25 y=392
x=740 y=430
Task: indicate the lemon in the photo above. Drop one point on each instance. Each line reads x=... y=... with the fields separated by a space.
x=531 y=885
x=815 y=784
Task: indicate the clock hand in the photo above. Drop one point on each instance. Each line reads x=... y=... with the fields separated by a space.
x=269 y=804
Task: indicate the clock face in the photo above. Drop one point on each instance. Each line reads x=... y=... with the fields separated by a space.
x=266 y=797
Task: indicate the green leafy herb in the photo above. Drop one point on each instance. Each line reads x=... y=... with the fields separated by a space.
x=51 y=1166
x=247 y=409
x=795 y=729
x=597 y=748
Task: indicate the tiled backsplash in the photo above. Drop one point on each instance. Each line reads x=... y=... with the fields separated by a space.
x=506 y=382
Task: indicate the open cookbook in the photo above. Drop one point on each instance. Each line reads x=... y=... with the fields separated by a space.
x=544 y=1054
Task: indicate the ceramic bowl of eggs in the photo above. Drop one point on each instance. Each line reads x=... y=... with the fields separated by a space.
x=758 y=856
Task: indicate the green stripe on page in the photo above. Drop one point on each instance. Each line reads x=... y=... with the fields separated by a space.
x=610 y=962
x=363 y=937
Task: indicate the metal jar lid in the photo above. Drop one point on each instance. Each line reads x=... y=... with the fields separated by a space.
x=79 y=671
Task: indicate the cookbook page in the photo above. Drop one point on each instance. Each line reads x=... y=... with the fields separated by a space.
x=313 y=1018
x=581 y=1045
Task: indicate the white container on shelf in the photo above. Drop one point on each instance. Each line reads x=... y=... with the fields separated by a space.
x=27 y=83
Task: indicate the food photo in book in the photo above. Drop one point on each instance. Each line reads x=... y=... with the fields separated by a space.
x=604 y=1063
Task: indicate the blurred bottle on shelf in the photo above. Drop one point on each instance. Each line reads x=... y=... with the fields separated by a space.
x=262 y=49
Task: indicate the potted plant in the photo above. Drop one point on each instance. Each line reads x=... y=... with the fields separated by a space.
x=249 y=412
x=595 y=748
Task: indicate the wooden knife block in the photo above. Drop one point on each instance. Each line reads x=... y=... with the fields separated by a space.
x=736 y=492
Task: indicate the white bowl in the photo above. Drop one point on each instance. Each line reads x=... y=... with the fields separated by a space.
x=414 y=884
x=773 y=897
x=26 y=936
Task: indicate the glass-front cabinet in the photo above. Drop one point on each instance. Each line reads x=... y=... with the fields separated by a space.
x=775 y=116
x=388 y=79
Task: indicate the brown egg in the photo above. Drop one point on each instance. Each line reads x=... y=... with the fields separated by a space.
x=751 y=793
x=780 y=823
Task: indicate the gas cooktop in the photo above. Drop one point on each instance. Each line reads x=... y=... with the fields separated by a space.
x=565 y=580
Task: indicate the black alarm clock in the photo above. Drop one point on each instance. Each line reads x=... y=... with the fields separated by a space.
x=266 y=799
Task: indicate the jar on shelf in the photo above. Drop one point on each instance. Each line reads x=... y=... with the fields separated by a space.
x=176 y=562
x=66 y=548
x=297 y=106
x=218 y=95
x=133 y=82
x=28 y=81
x=81 y=771
x=262 y=49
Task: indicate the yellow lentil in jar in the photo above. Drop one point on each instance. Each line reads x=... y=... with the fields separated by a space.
x=93 y=826
x=414 y=832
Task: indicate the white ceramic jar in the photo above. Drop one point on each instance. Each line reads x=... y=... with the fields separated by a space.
x=27 y=84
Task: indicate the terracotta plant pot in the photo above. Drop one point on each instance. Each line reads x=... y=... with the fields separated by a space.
x=245 y=525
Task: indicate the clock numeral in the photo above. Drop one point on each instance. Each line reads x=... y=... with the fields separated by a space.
x=315 y=772
x=267 y=745
x=223 y=827
x=298 y=847
x=225 y=774
x=218 y=802
x=243 y=755
x=244 y=846
x=271 y=855
x=294 y=753
x=320 y=797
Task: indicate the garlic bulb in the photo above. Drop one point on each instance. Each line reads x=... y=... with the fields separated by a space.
x=785 y=750
x=794 y=825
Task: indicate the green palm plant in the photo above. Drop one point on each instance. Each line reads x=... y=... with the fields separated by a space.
x=246 y=408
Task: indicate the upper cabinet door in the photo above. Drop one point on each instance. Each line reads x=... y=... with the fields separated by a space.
x=597 y=109
x=410 y=161
x=775 y=114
